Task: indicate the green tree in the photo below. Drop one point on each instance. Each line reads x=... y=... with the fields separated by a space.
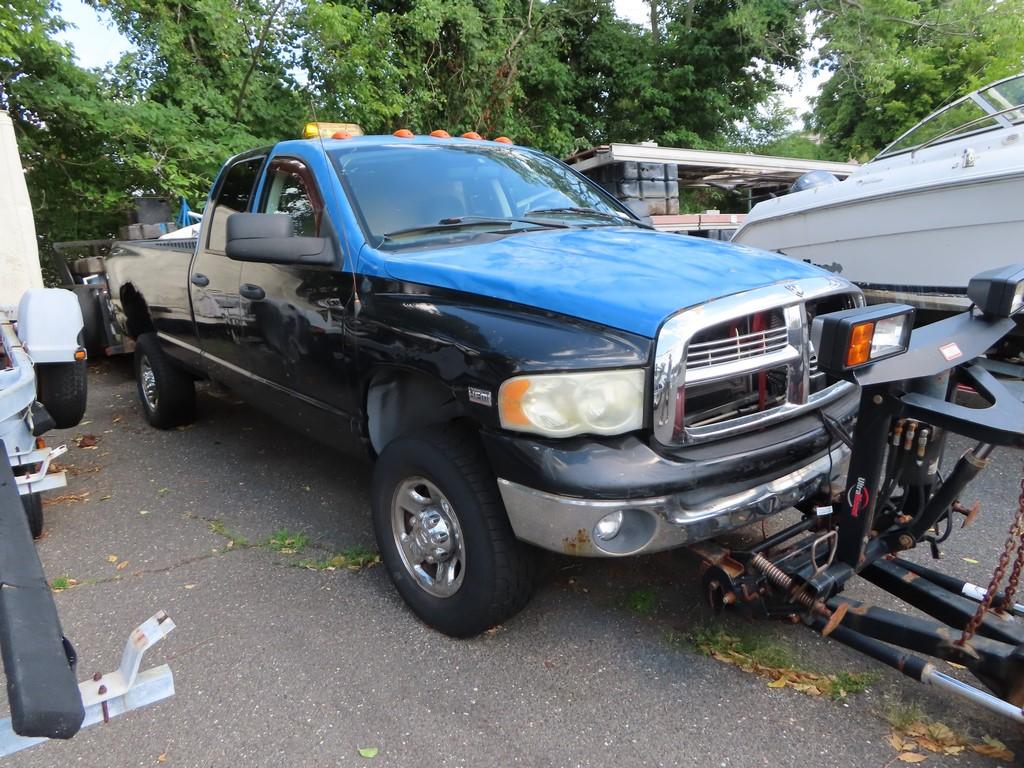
x=895 y=61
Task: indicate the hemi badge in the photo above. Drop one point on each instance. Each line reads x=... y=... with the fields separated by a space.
x=479 y=396
x=950 y=351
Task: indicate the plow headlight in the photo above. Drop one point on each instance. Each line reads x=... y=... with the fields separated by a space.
x=998 y=292
x=857 y=337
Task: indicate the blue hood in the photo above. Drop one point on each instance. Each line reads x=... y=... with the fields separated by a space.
x=622 y=277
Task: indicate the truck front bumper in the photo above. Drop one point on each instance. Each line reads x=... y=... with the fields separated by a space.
x=566 y=524
x=556 y=492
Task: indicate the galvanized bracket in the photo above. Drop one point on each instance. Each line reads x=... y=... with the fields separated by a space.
x=117 y=692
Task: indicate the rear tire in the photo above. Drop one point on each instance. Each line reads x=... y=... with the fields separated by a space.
x=168 y=394
x=63 y=390
x=33 y=504
x=435 y=497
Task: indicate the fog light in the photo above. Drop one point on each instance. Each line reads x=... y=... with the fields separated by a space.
x=608 y=527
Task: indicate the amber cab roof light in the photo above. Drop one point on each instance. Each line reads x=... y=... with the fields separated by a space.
x=327 y=130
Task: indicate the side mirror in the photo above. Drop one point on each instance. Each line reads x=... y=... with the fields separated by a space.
x=268 y=238
x=640 y=209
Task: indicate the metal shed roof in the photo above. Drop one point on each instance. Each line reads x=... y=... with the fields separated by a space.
x=703 y=168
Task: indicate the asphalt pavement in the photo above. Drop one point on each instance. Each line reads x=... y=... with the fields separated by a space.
x=281 y=665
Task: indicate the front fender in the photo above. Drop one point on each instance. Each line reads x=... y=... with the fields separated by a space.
x=467 y=342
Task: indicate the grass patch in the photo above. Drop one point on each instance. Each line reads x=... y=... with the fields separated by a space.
x=351 y=559
x=287 y=542
x=61 y=583
x=234 y=539
x=765 y=658
x=642 y=601
x=758 y=649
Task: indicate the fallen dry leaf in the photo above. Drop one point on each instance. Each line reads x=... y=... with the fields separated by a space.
x=111 y=558
x=911 y=757
x=780 y=683
x=122 y=565
x=66 y=497
x=162 y=758
x=87 y=441
x=993 y=748
x=970 y=560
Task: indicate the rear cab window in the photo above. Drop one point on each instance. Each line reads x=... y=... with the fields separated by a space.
x=291 y=190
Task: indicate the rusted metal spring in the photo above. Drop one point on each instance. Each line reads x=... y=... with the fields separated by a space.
x=785 y=582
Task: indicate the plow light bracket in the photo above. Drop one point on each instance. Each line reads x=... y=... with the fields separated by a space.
x=998 y=292
x=853 y=338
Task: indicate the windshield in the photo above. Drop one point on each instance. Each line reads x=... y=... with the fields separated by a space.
x=969 y=115
x=965 y=115
x=1006 y=95
x=407 y=191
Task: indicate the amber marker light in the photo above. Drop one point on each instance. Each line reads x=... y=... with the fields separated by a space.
x=859 y=350
x=510 y=402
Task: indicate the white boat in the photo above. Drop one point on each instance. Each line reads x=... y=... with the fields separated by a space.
x=938 y=205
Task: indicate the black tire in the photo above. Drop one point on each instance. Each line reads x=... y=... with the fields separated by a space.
x=33 y=504
x=63 y=390
x=173 y=392
x=500 y=571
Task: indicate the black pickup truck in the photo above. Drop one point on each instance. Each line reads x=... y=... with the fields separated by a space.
x=528 y=364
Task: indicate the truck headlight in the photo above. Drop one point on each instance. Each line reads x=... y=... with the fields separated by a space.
x=852 y=338
x=566 y=404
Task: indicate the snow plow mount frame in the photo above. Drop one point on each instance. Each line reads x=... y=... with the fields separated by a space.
x=897 y=444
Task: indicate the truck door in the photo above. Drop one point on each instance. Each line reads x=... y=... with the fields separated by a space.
x=292 y=326
x=214 y=278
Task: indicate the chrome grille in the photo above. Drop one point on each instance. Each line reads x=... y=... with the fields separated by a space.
x=707 y=353
x=744 y=361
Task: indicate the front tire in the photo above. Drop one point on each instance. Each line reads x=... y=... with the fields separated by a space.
x=168 y=394
x=443 y=533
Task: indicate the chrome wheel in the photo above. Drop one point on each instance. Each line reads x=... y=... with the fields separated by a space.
x=428 y=536
x=147 y=379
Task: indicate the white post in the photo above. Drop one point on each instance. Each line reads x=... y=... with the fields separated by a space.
x=19 y=253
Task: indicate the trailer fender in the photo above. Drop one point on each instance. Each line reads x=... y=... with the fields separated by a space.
x=50 y=325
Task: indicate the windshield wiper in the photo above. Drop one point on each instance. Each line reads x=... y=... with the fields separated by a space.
x=591 y=212
x=455 y=223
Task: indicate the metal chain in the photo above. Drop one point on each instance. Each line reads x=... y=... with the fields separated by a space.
x=1015 y=538
x=1018 y=564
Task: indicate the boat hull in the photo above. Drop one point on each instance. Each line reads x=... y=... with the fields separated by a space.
x=919 y=246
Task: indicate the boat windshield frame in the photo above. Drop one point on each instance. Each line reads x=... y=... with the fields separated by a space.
x=1000 y=115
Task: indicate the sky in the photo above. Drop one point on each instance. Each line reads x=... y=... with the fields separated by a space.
x=97 y=43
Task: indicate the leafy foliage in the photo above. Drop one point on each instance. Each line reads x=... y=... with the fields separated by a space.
x=208 y=78
x=895 y=61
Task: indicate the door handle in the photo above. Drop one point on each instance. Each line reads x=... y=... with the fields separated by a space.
x=251 y=292
x=200 y=279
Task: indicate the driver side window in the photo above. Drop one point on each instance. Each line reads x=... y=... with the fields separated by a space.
x=291 y=191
